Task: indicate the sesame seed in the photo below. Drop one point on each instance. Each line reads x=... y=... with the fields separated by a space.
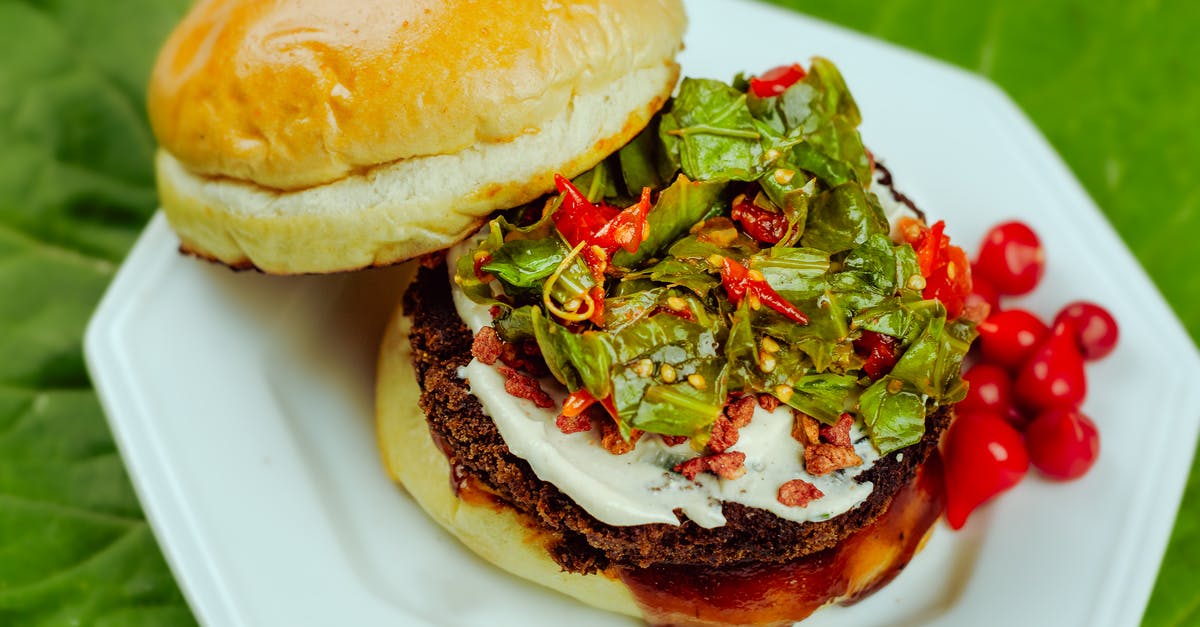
x=696 y=381
x=916 y=282
x=755 y=304
x=951 y=270
x=716 y=260
x=572 y=305
x=644 y=368
x=766 y=361
x=676 y=303
x=755 y=275
x=769 y=344
x=667 y=373
x=784 y=176
x=772 y=154
x=895 y=385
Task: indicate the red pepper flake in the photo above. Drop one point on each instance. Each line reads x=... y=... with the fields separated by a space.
x=776 y=80
x=880 y=352
x=741 y=410
x=487 y=346
x=739 y=282
x=524 y=386
x=723 y=435
x=727 y=465
x=839 y=434
x=573 y=424
x=798 y=493
x=674 y=440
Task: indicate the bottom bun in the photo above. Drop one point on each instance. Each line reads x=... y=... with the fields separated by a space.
x=494 y=531
x=749 y=593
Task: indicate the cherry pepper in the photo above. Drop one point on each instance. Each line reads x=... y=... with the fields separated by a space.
x=738 y=281
x=984 y=456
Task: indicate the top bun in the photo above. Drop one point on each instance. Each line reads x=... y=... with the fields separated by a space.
x=323 y=135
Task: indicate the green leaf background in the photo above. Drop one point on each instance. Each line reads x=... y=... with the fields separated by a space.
x=1114 y=85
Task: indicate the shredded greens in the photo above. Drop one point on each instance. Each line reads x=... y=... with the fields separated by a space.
x=671 y=345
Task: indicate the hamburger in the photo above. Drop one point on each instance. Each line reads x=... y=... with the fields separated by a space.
x=684 y=358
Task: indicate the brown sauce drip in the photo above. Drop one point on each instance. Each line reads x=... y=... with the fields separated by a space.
x=766 y=594
x=464 y=484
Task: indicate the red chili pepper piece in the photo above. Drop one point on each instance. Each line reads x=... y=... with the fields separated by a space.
x=738 y=280
x=581 y=399
x=945 y=267
x=765 y=226
x=776 y=80
x=578 y=218
x=627 y=229
x=880 y=351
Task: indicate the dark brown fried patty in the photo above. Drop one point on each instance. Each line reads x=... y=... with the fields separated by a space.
x=442 y=343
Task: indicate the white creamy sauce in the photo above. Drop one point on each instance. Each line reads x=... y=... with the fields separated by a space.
x=640 y=487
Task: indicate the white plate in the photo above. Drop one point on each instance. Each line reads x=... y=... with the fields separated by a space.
x=243 y=403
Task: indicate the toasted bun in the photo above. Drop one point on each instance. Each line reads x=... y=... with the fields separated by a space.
x=497 y=533
x=315 y=136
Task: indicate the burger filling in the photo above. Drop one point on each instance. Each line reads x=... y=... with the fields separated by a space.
x=721 y=312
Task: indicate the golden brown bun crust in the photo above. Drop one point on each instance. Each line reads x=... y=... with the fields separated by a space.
x=499 y=534
x=290 y=94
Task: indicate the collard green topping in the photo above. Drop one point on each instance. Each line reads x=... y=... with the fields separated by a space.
x=662 y=331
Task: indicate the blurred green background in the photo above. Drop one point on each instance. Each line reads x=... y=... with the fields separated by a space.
x=1114 y=85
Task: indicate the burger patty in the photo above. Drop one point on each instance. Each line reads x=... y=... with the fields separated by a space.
x=441 y=344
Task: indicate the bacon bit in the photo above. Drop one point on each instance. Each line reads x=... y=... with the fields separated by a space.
x=768 y=402
x=524 y=355
x=806 y=430
x=611 y=440
x=798 y=493
x=724 y=435
x=741 y=411
x=433 y=260
x=839 y=434
x=692 y=467
x=524 y=386
x=823 y=459
x=487 y=346
x=728 y=465
x=673 y=440
x=573 y=424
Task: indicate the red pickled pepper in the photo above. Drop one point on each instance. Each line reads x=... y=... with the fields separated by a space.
x=765 y=226
x=880 y=352
x=945 y=267
x=776 y=80
x=581 y=220
x=738 y=282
